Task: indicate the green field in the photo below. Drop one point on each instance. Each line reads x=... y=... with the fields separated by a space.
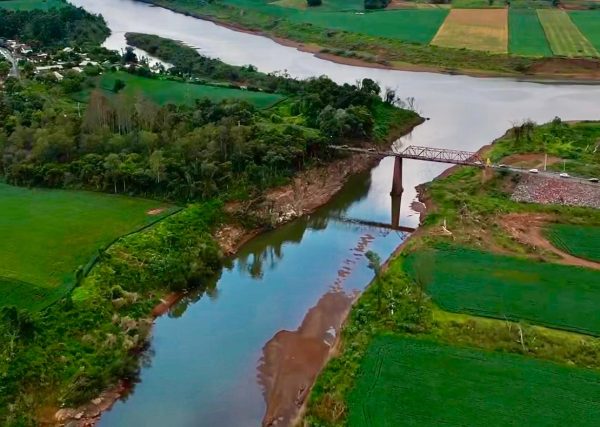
x=525 y=34
x=48 y=234
x=582 y=242
x=485 y=284
x=409 y=382
x=30 y=4
x=564 y=37
x=168 y=91
x=411 y=25
x=588 y=22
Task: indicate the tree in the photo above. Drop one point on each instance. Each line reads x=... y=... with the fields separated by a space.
x=112 y=166
x=370 y=86
x=118 y=85
x=129 y=56
x=4 y=69
x=312 y=3
x=157 y=164
x=376 y=4
x=375 y=265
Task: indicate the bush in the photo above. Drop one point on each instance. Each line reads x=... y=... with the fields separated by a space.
x=376 y=4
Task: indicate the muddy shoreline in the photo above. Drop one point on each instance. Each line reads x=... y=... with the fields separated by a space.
x=559 y=75
x=308 y=191
x=423 y=205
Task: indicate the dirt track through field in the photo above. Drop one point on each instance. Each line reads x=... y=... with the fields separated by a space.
x=527 y=228
x=475 y=29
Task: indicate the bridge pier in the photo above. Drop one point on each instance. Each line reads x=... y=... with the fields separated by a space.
x=396 y=204
x=397 y=188
x=396 y=192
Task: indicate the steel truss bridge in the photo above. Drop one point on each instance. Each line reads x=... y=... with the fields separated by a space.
x=429 y=154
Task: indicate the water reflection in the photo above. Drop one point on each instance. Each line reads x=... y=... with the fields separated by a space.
x=263 y=254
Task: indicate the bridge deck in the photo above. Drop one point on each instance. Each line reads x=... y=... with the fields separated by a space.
x=429 y=154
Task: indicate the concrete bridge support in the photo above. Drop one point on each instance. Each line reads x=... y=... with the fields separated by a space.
x=396 y=192
x=397 y=188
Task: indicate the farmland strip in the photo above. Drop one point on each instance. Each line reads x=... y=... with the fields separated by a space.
x=564 y=37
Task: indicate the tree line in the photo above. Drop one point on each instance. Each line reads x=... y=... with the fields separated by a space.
x=62 y=26
x=128 y=144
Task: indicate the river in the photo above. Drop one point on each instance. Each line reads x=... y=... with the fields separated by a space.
x=217 y=355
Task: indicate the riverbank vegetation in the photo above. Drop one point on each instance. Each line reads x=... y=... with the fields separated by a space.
x=474 y=232
x=91 y=338
x=402 y=36
x=61 y=349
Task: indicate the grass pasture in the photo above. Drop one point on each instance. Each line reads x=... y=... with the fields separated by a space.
x=475 y=29
x=48 y=234
x=410 y=25
x=168 y=91
x=588 y=23
x=504 y=287
x=526 y=36
x=564 y=37
x=30 y=4
x=579 y=241
x=410 y=382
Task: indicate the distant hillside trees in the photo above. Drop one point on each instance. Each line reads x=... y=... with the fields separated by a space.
x=311 y=3
x=376 y=4
x=56 y=27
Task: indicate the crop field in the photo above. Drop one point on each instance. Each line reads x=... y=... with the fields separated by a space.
x=588 y=23
x=528 y=28
x=582 y=242
x=409 y=382
x=504 y=287
x=411 y=25
x=48 y=234
x=475 y=29
x=526 y=35
x=168 y=91
x=564 y=37
x=30 y=4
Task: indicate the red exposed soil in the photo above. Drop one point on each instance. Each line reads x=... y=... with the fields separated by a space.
x=530 y=160
x=528 y=229
x=578 y=68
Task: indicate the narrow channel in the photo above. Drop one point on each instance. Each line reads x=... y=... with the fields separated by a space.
x=215 y=357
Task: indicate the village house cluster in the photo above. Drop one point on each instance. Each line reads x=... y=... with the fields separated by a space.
x=55 y=63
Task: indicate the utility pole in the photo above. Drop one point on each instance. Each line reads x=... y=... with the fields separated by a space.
x=545 y=161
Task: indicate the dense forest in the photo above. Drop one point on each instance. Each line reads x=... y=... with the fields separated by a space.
x=128 y=144
x=57 y=27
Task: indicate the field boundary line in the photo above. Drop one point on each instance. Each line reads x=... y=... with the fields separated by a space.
x=87 y=268
x=516 y=319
